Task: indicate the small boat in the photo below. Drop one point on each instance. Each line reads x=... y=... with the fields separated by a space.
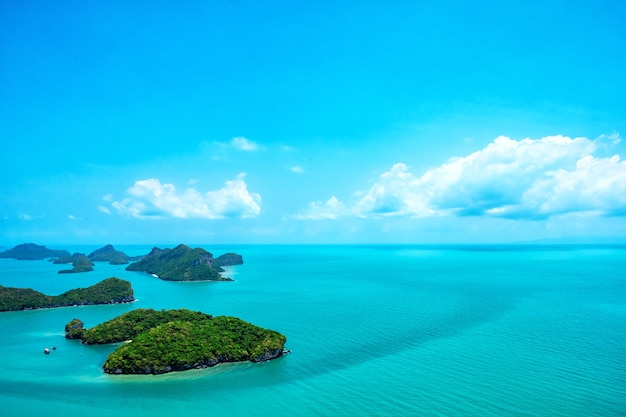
x=46 y=351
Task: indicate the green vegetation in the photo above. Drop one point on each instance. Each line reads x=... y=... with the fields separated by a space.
x=109 y=254
x=110 y=291
x=176 y=340
x=229 y=258
x=31 y=251
x=80 y=262
x=129 y=325
x=74 y=329
x=12 y=299
x=180 y=264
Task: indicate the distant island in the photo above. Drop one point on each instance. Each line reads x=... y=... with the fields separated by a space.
x=109 y=254
x=31 y=251
x=109 y=291
x=177 y=340
x=185 y=264
x=228 y=259
x=79 y=261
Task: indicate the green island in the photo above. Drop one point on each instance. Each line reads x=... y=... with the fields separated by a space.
x=31 y=251
x=185 y=264
x=177 y=340
x=79 y=261
x=109 y=291
x=109 y=254
x=229 y=258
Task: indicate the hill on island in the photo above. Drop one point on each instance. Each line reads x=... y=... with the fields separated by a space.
x=31 y=251
x=109 y=291
x=177 y=340
x=79 y=261
x=185 y=264
x=228 y=259
x=109 y=254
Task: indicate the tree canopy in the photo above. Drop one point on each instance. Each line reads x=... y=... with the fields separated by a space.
x=109 y=291
x=180 y=264
x=176 y=340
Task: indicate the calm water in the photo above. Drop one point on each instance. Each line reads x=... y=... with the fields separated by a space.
x=374 y=331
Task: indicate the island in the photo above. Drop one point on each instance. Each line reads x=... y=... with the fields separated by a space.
x=228 y=259
x=79 y=261
x=109 y=254
x=177 y=340
x=185 y=264
x=109 y=291
x=31 y=251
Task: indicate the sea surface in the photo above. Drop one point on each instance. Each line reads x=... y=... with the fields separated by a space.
x=516 y=330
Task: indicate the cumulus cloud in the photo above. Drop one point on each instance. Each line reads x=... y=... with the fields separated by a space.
x=152 y=199
x=595 y=185
x=394 y=194
x=320 y=210
x=529 y=178
x=297 y=169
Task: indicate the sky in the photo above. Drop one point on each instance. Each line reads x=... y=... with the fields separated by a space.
x=312 y=122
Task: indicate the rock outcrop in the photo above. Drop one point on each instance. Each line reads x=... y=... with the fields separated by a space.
x=74 y=329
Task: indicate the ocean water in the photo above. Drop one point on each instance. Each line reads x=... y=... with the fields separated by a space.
x=373 y=330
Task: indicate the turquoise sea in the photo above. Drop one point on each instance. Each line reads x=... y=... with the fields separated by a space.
x=516 y=330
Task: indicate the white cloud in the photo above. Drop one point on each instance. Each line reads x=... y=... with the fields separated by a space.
x=244 y=144
x=529 y=178
x=221 y=150
x=104 y=209
x=151 y=199
x=394 y=194
x=595 y=185
x=320 y=210
x=297 y=169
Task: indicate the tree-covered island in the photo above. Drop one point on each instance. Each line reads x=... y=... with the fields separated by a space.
x=31 y=251
x=177 y=340
x=84 y=263
x=109 y=254
x=109 y=291
x=185 y=264
x=79 y=261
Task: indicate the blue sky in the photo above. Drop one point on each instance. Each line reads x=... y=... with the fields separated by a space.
x=312 y=122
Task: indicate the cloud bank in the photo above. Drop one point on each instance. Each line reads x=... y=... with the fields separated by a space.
x=525 y=179
x=152 y=199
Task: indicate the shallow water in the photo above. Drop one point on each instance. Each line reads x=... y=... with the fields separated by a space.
x=374 y=330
